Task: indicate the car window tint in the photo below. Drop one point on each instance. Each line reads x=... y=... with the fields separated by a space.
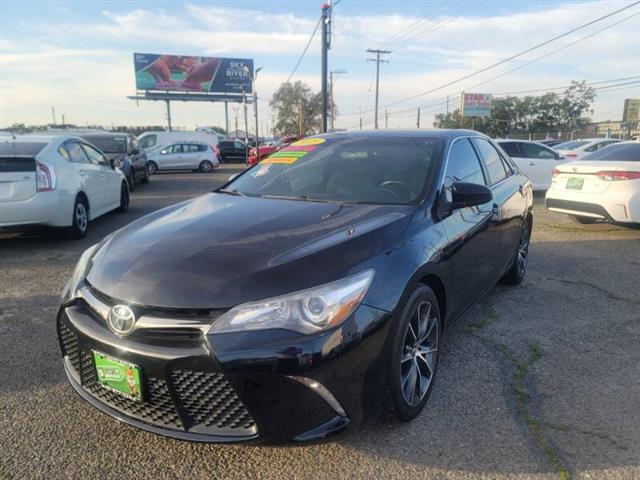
x=494 y=163
x=175 y=149
x=76 y=153
x=148 y=141
x=193 y=148
x=95 y=156
x=511 y=148
x=531 y=150
x=463 y=164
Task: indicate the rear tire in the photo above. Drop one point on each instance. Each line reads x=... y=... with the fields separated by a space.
x=206 y=166
x=518 y=269
x=152 y=168
x=414 y=353
x=131 y=180
x=124 y=198
x=145 y=179
x=584 y=220
x=80 y=224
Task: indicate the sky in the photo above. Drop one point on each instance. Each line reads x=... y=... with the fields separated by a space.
x=78 y=55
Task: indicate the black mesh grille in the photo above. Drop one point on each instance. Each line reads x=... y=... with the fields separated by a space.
x=157 y=407
x=69 y=343
x=210 y=400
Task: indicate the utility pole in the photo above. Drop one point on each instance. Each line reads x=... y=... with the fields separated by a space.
x=418 y=122
x=331 y=104
x=246 y=125
x=168 y=114
x=53 y=114
x=255 y=104
x=386 y=119
x=378 y=61
x=226 y=117
x=325 y=45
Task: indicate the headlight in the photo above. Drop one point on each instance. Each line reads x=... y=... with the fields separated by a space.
x=307 y=311
x=79 y=272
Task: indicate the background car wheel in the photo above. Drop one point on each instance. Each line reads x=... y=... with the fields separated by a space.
x=80 y=225
x=415 y=345
x=206 y=166
x=152 y=168
x=145 y=179
x=584 y=220
x=518 y=269
x=132 y=181
x=124 y=198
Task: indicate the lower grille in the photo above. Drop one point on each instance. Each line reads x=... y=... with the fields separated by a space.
x=210 y=400
x=157 y=408
x=185 y=400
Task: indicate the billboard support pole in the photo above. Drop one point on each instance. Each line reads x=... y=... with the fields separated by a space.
x=226 y=117
x=246 y=125
x=168 y=114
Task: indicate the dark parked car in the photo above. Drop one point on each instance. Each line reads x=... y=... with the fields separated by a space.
x=124 y=152
x=301 y=297
x=232 y=151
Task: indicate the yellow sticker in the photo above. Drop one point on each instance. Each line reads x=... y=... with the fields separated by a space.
x=270 y=160
x=308 y=141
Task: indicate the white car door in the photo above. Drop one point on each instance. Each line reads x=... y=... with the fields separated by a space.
x=513 y=150
x=90 y=174
x=538 y=163
x=192 y=156
x=111 y=178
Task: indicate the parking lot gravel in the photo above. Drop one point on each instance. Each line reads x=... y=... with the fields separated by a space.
x=538 y=381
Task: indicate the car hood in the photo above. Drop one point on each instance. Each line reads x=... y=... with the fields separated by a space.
x=219 y=250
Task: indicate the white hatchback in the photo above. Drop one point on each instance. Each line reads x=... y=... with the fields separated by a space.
x=603 y=185
x=183 y=156
x=57 y=181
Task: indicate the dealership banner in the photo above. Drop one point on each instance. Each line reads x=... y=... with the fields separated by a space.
x=193 y=74
x=476 y=104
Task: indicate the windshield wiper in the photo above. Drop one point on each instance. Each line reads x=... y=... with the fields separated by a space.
x=237 y=193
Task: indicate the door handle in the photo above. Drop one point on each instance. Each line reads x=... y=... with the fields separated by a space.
x=531 y=162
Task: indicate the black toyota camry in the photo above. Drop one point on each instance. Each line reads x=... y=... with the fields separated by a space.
x=305 y=295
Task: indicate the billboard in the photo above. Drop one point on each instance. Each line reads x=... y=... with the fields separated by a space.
x=182 y=73
x=476 y=104
x=631 y=110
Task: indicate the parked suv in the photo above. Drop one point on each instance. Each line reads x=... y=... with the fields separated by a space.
x=58 y=181
x=183 y=156
x=232 y=151
x=124 y=151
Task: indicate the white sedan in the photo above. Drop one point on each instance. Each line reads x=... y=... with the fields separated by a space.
x=603 y=185
x=576 y=149
x=183 y=155
x=536 y=161
x=57 y=181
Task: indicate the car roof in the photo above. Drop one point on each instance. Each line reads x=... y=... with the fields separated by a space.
x=502 y=140
x=103 y=135
x=449 y=133
x=41 y=138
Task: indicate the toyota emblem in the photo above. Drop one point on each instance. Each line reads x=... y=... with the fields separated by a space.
x=121 y=320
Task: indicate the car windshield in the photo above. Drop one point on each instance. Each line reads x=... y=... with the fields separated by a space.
x=109 y=144
x=570 y=145
x=346 y=169
x=622 y=152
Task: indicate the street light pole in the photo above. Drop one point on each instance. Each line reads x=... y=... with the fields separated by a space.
x=331 y=104
x=378 y=61
x=255 y=106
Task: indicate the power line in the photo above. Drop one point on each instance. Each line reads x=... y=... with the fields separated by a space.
x=567 y=86
x=512 y=57
x=304 y=52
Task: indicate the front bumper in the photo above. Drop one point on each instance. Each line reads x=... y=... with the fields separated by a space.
x=232 y=387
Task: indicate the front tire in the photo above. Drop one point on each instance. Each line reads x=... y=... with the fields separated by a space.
x=152 y=168
x=124 y=198
x=80 y=224
x=584 y=220
x=415 y=345
x=206 y=166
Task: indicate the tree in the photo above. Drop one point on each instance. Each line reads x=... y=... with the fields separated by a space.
x=297 y=108
x=531 y=114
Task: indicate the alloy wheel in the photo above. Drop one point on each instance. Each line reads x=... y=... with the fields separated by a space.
x=523 y=251
x=206 y=166
x=82 y=217
x=419 y=353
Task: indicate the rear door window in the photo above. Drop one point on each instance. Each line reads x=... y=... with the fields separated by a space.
x=531 y=150
x=95 y=156
x=511 y=148
x=175 y=149
x=498 y=171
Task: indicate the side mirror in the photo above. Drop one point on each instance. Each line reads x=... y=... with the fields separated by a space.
x=112 y=163
x=465 y=194
x=163 y=152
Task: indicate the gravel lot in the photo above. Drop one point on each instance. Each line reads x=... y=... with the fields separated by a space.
x=538 y=381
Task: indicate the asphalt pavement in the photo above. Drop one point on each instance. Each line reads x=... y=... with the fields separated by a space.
x=538 y=381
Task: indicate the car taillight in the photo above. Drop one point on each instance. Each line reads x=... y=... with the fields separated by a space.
x=615 y=175
x=217 y=150
x=45 y=177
